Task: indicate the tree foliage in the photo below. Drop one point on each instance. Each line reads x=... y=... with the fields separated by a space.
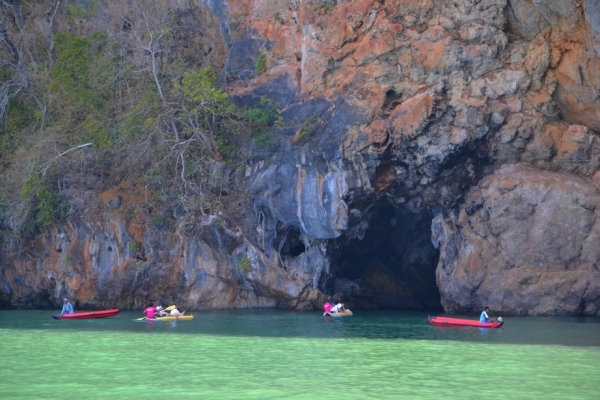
x=120 y=104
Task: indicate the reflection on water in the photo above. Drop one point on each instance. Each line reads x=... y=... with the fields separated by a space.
x=264 y=354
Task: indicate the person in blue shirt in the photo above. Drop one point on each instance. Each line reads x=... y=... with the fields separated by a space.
x=484 y=317
x=67 y=307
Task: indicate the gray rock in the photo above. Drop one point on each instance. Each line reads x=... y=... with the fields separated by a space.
x=592 y=16
x=525 y=20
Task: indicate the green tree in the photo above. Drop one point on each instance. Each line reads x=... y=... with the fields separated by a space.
x=121 y=98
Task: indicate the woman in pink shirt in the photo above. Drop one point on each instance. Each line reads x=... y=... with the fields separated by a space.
x=149 y=311
x=327 y=307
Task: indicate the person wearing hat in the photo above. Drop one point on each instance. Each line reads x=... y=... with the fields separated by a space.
x=67 y=307
x=161 y=312
x=338 y=307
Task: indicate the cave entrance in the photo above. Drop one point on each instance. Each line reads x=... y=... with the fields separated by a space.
x=289 y=241
x=391 y=264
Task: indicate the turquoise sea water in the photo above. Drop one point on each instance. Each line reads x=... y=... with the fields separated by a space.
x=270 y=354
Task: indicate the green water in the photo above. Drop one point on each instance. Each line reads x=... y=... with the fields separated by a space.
x=268 y=354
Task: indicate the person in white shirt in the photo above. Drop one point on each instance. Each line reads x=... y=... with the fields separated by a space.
x=67 y=307
x=161 y=312
x=338 y=307
x=175 y=313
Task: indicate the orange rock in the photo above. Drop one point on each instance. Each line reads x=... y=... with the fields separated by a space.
x=574 y=145
x=378 y=132
x=409 y=117
x=577 y=102
x=371 y=48
x=431 y=55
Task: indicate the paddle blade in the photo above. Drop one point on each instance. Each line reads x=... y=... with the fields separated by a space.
x=170 y=307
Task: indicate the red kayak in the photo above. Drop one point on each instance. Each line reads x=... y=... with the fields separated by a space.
x=91 y=314
x=458 y=322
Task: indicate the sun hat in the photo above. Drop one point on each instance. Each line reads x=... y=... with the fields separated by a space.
x=159 y=308
x=65 y=299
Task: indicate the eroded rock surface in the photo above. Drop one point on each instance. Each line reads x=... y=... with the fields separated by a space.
x=525 y=242
x=433 y=108
x=417 y=102
x=197 y=263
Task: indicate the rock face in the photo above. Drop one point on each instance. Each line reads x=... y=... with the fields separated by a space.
x=410 y=104
x=479 y=115
x=524 y=242
x=197 y=263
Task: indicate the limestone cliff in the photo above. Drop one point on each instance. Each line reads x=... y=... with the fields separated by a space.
x=481 y=116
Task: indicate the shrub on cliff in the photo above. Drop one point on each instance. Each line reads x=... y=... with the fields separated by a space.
x=261 y=62
x=112 y=106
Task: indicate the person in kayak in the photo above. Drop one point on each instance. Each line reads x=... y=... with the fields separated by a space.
x=327 y=307
x=484 y=317
x=161 y=312
x=150 y=310
x=67 y=307
x=338 y=307
x=175 y=313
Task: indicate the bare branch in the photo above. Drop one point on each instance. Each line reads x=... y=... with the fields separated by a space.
x=18 y=10
x=5 y=38
x=48 y=164
x=54 y=14
x=6 y=93
x=152 y=48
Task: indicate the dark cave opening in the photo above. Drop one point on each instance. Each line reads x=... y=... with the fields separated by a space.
x=289 y=242
x=391 y=265
x=392 y=99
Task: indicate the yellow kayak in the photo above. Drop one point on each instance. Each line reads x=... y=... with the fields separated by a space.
x=346 y=313
x=172 y=318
